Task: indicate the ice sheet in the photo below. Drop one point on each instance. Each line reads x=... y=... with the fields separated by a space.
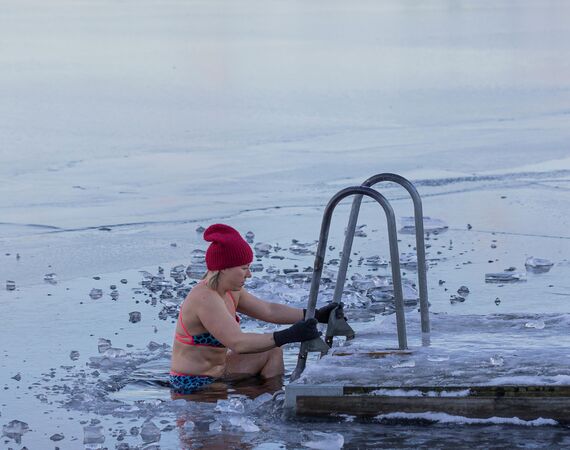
x=463 y=351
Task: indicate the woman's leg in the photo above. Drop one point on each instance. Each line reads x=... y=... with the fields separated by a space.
x=267 y=364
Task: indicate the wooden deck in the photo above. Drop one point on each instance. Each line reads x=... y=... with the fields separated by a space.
x=481 y=402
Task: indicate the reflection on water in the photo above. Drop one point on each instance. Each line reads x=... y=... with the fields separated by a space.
x=251 y=388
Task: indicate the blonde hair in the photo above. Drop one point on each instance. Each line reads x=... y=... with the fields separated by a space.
x=214 y=280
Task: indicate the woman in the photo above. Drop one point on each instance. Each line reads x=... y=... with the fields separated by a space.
x=209 y=343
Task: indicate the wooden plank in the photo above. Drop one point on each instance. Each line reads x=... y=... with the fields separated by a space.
x=474 y=391
x=526 y=408
x=294 y=390
x=373 y=355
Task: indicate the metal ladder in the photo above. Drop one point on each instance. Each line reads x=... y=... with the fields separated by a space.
x=337 y=326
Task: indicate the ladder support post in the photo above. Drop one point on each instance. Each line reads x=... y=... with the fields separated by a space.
x=422 y=266
x=315 y=282
x=347 y=248
x=420 y=243
x=320 y=254
x=397 y=279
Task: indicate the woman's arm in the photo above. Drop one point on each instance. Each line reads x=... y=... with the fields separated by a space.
x=219 y=322
x=216 y=318
x=252 y=306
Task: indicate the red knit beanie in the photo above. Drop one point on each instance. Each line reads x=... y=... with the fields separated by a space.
x=227 y=248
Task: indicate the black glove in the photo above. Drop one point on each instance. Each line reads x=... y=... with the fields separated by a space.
x=304 y=330
x=322 y=314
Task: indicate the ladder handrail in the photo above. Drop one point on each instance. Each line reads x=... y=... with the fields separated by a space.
x=319 y=262
x=420 y=243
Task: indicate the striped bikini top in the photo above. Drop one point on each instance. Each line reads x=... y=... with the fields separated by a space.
x=204 y=339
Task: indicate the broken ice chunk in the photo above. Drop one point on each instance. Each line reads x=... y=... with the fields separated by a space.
x=115 y=353
x=196 y=271
x=376 y=261
x=198 y=256
x=262 y=249
x=538 y=265
x=379 y=295
x=188 y=426
x=50 y=278
x=409 y=292
x=438 y=358
x=456 y=299
x=178 y=273
x=158 y=283
x=104 y=345
x=369 y=282
x=325 y=441
x=74 y=355
x=233 y=405
x=539 y=324
x=409 y=261
x=404 y=364
x=10 y=285
x=272 y=269
x=354 y=300
x=261 y=399
x=362 y=284
x=430 y=225
x=166 y=295
x=497 y=360
x=93 y=435
x=504 y=277
x=249 y=237
x=463 y=290
x=15 y=429
x=134 y=317
x=300 y=248
x=358 y=231
x=215 y=426
x=96 y=293
x=150 y=432
x=244 y=423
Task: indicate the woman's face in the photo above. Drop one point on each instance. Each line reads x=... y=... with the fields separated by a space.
x=235 y=277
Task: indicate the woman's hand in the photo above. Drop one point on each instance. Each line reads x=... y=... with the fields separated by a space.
x=322 y=314
x=304 y=330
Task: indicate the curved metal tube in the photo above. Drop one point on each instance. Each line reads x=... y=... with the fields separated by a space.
x=319 y=262
x=420 y=245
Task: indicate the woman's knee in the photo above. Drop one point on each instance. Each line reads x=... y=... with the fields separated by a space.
x=273 y=363
x=276 y=353
x=275 y=357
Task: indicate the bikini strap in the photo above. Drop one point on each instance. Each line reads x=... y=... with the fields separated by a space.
x=182 y=323
x=233 y=299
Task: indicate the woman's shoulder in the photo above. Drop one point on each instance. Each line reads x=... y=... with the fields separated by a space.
x=200 y=293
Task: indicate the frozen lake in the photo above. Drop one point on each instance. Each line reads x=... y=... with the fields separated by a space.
x=126 y=125
x=122 y=112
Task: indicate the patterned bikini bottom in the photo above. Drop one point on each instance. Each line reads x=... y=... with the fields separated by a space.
x=186 y=384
